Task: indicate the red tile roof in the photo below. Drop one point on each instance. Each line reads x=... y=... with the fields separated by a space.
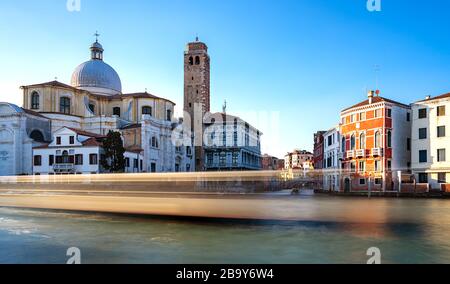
x=376 y=99
x=86 y=133
x=144 y=95
x=134 y=149
x=92 y=142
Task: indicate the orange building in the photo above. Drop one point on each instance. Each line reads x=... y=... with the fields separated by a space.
x=375 y=144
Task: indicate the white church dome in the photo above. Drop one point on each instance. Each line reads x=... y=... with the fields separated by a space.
x=96 y=76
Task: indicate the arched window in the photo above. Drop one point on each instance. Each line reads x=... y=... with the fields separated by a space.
x=389 y=139
x=37 y=136
x=64 y=105
x=35 y=100
x=362 y=141
x=377 y=139
x=352 y=142
x=116 y=111
x=92 y=107
x=191 y=60
x=343 y=146
x=197 y=60
x=147 y=110
x=154 y=142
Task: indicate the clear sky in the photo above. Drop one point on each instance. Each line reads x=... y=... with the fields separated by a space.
x=303 y=59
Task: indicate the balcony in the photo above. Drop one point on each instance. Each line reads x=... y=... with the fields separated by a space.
x=361 y=153
x=351 y=154
x=377 y=152
x=63 y=167
x=341 y=156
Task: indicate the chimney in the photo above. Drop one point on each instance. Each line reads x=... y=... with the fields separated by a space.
x=370 y=96
x=428 y=97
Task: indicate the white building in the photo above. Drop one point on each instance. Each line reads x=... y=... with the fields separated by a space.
x=431 y=141
x=73 y=151
x=332 y=164
x=93 y=103
x=231 y=143
x=299 y=160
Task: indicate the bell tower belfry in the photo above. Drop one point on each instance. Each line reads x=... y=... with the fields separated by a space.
x=197 y=92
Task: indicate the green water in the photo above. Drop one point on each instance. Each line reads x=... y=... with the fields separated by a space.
x=406 y=231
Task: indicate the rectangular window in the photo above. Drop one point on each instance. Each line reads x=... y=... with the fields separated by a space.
x=78 y=159
x=93 y=159
x=378 y=181
x=441 y=155
x=389 y=112
x=423 y=156
x=362 y=116
x=58 y=140
x=423 y=178
x=353 y=167
x=442 y=178
x=441 y=111
x=377 y=113
x=378 y=166
x=38 y=160
x=72 y=140
x=153 y=167
x=51 y=160
x=408 y=144
x=141 y=165
x=441 y=131
x=422 y=113
x=362 y=166
x=127 y=162
x=422 y=133
x=362 y=181
x=135 y=163
x=389 y=165
x=408 y=116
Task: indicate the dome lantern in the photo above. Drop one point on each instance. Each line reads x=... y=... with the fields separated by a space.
x=95 y=75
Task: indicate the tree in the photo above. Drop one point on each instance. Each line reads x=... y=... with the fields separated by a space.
x=113 y=159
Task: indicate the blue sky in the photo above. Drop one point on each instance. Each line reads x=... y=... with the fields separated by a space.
x=303 y=59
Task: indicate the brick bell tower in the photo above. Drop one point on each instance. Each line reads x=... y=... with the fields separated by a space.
x=197 y=93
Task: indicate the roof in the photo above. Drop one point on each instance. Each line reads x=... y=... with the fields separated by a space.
x=92 y=142
x=143 y=95
x=131 y=126
x=30 y=112
x=86 y=133
x=376 y=99
x=134 y=149
x=444 y=96
x=52 y=84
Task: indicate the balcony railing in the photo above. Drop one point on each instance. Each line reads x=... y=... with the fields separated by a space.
x=350 y=154
x=377 y=152
x=361 y=153
x=63 y=167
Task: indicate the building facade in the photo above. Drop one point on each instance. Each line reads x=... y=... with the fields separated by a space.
x=231 y=144
x=93 y=103
x=431 y=142
x=332 y=162
x=375 y=141
x=318 y=150
x=299 y=160
x=271 y=163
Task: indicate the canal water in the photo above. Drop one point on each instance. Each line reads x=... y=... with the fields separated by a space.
x=332 y=230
